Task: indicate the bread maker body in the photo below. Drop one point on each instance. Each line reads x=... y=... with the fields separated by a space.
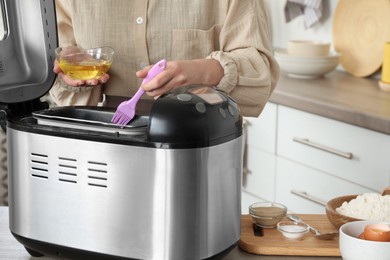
x=72 y=196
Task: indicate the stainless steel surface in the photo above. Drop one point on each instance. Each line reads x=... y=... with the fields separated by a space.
x=3 y=27
x=27 y=53
x=318 y=234
x=133 y=201
x=84 y=119
x=3 y=170
x=307 y=142
x=10 y=249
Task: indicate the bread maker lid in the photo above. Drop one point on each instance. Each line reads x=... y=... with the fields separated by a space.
x=27 y=49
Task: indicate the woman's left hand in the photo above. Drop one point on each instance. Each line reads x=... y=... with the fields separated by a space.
x=178 y=73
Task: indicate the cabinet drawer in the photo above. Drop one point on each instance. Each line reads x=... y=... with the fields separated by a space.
x=261 y=131
x=259 y=177
x=327 y=144
x=302 y=189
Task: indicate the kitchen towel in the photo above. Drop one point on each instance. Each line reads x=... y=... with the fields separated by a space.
x=310 y=9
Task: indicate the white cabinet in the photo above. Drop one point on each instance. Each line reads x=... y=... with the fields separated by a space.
x=306 y=190
x=351 y=153
x=260 y=158
x=303 y=160
x=262 y=130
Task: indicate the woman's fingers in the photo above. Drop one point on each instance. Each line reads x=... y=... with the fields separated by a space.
x=179 y=73
x=71 y=82
x=104 y=78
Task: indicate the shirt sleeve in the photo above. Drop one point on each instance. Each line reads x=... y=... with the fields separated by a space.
x=61 y=93
x=250 y=69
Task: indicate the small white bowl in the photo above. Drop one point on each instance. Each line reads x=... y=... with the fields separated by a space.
x=307 y=48
x=352 y=247
x=292 y=230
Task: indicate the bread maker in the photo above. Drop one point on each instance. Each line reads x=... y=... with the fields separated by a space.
x=166 y=186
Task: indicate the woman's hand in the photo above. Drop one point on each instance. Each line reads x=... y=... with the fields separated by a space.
x=78 y=82
x=178 y=73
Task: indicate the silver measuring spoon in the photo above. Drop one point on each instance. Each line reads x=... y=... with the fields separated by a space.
x=317 y=233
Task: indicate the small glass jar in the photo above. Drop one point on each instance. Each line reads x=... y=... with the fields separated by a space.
x=267 y=214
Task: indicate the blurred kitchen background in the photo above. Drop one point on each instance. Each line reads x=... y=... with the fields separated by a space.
x=321 y=138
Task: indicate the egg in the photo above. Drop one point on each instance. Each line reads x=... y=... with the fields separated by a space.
x=376 y=232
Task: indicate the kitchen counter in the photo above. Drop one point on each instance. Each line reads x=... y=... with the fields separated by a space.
x=339 y=96
x=11 y=249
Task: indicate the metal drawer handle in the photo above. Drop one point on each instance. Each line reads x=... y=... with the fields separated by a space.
x=303 y=194
x=307 y=142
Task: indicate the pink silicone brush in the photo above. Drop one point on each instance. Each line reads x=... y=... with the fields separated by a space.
x=126 y=110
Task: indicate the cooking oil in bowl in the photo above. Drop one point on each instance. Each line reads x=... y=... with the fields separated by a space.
x=84 y=70
x=84 y=64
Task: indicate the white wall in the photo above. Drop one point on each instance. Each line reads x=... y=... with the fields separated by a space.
x=283 y=32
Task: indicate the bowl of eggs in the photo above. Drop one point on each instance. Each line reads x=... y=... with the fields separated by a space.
x=365 y=240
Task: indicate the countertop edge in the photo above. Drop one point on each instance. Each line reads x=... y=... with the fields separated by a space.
x=287 y=93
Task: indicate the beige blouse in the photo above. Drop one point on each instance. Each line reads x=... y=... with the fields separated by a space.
x=234 y=32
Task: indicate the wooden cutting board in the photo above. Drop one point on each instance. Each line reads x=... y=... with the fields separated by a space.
x=273 y=243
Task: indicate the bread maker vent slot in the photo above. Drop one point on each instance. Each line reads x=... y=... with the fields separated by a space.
x=67 y=170
x=97 y=174
x=39 y=165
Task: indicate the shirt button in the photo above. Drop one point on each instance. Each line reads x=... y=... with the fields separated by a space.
x=139 y=20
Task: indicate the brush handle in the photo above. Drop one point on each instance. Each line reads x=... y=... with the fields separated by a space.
x=154 y=71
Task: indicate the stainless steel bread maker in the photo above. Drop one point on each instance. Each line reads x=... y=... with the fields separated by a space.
x=166 y=186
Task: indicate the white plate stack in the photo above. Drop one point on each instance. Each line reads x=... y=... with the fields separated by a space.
x=307 y=59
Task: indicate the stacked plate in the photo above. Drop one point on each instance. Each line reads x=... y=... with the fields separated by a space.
x=301 y=66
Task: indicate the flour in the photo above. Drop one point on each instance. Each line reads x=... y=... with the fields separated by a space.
x=368 y=206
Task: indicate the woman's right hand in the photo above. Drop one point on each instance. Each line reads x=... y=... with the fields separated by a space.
x=78 y=82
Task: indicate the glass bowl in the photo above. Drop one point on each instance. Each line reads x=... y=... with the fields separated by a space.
x=84 y=64
x=292 y=230
x=267 y=214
